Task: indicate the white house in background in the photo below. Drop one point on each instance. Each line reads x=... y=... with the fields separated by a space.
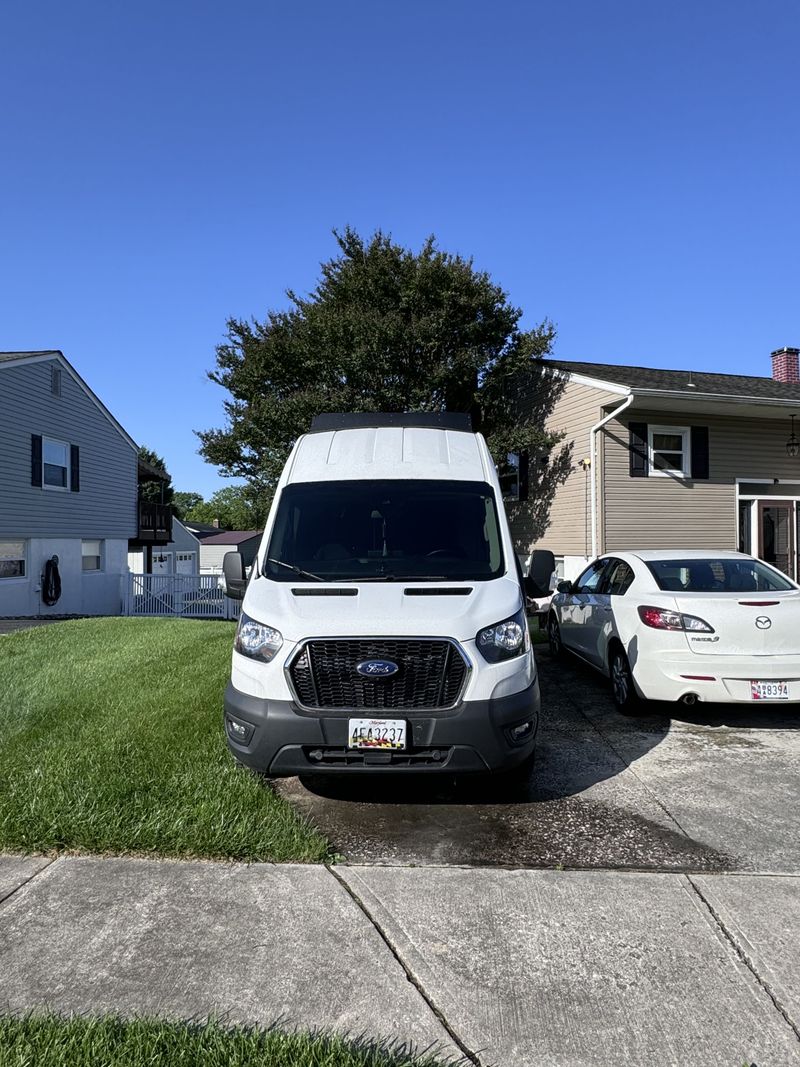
x=213 y=548
x=180 y=555
x=68 y=489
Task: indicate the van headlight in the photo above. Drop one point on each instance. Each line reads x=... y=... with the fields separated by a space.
x=255 y=640
x=504 y=640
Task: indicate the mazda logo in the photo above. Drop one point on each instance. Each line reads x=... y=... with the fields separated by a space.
x=763 y=622
x=377 y=668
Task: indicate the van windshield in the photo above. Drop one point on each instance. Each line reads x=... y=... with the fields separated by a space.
x=386 y=530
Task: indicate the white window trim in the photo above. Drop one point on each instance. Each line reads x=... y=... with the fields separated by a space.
x=102 y=567
x=685 y=451
x=56 y=488
x=23 y=558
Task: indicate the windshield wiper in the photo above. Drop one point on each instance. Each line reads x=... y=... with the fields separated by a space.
x=296 y=570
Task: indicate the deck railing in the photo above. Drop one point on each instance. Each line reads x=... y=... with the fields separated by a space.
x=155 y=521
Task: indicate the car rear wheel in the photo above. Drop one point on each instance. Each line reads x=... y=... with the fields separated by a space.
x=554 y=638
x=626 y=698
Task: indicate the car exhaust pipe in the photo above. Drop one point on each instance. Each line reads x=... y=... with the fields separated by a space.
x=689 y=700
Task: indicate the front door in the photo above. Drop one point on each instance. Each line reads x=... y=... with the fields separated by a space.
x=776 y=534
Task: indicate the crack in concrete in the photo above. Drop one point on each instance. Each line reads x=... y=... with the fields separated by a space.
x=29 y=879
x=730 y=939
x=466 y=1052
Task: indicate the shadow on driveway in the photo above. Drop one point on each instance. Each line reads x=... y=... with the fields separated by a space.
x=581 y=807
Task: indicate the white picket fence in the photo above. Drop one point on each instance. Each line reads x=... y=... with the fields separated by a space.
x=190 y=596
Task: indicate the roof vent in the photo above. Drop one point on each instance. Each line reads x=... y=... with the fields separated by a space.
x=785 y=365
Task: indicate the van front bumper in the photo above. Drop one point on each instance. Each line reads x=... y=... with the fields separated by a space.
x=281 y=740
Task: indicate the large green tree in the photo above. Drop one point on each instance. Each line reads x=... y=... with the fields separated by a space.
x=236 y=507
x=385 y=329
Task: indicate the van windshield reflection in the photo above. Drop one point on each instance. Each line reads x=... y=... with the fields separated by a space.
x=389 y=530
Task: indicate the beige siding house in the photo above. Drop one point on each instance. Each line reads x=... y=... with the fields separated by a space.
x=668 y=459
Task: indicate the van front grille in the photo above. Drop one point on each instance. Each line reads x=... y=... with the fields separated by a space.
x=430 y=675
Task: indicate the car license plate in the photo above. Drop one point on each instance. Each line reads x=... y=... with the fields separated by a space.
x=382 y=734
x=769 y=690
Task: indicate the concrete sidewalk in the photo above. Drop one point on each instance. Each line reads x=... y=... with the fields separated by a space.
x=505 y=967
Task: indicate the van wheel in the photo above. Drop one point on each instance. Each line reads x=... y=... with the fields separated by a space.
x=626 y=699
x=554 y=638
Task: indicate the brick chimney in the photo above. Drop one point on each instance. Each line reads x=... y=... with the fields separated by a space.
x=785 y=365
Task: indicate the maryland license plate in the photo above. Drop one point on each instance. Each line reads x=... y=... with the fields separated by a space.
x=769 y=690
x=383 y=734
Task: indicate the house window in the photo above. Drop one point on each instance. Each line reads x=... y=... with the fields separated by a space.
x=12 y=559
x=513 y=475
x=92 y=552
x=669 y=451
x=55 y=381
x=55 y=455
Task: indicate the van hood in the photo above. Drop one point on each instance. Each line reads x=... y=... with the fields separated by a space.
x=381 y=609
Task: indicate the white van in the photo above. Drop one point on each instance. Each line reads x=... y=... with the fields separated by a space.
x=383 y=625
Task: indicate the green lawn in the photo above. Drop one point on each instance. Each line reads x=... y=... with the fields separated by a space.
x=112 y=742
x=47 y=1041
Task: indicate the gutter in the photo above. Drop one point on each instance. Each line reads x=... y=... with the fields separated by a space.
x=593 y=466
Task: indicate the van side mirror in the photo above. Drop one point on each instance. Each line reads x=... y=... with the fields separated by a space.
x=542 y=566
x=564 y=587
x=233 y=573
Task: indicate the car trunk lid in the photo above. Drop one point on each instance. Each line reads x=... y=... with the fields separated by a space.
x=761 y=624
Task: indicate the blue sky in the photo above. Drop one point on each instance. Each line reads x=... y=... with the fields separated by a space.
x=628 y=169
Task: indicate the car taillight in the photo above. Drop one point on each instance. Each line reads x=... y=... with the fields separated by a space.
x=664 y=619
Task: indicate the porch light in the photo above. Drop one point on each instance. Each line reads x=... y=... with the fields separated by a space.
x=792 y=445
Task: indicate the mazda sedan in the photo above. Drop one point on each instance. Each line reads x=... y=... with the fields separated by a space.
x=690 y=626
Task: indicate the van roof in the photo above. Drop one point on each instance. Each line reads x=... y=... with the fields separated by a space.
x=357 y=420
x=389 y=452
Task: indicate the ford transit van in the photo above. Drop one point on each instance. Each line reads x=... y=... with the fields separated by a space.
x=383 y=625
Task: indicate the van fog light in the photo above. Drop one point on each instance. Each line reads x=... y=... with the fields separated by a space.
x=503 y=640
x=239 y=731
x=519 y=734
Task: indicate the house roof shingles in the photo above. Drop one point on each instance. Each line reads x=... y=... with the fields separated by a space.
x=677 y=381
x=232 y=537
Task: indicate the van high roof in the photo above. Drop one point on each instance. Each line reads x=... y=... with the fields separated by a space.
x=394 y=451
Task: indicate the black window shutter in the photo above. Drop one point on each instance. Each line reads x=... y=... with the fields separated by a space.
x=74 y=468
x=639 y=449
x=699 y=452
x=523 y=476
x=36 y=460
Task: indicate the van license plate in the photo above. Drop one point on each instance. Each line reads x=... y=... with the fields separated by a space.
x=383 y=734
x=769 y=690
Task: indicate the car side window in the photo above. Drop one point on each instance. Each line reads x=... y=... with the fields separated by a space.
x=620 y=576
x=589 y=581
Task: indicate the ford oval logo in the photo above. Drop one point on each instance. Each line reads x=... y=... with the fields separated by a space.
x=377 y=668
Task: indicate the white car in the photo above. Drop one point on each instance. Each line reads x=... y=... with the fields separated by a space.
x=690 y=626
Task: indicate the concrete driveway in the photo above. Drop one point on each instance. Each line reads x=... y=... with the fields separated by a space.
x=716 y=788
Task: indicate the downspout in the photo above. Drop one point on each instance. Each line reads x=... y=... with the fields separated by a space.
x=592 y=459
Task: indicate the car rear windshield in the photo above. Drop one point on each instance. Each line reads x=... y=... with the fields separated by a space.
x=386 y=530
x=717 y=576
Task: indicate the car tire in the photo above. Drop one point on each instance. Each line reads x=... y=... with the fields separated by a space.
x=623 y=691
x=554 y=638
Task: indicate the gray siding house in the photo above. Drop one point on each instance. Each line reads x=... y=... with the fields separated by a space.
x=664 y=459
x=68 y=489
x=214 y=548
